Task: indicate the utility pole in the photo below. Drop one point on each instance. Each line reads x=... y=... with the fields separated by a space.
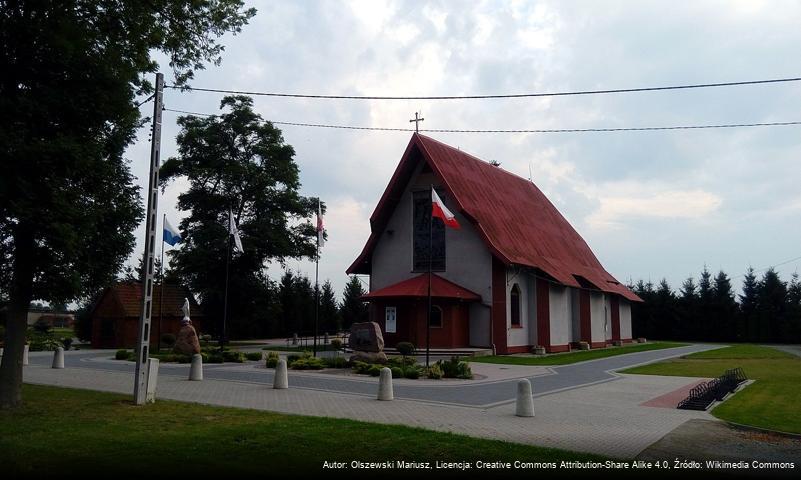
x=143 y=343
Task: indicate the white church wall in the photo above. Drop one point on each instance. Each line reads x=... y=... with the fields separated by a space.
x=559 y=298
x=468 y=262
x=597 y=317
x=575 y=319
x=517 y=336
x=625 y=319
x=608 y=316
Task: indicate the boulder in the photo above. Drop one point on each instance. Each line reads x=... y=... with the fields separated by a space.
x=366 y=337
x=369 y=357
x=187 y=342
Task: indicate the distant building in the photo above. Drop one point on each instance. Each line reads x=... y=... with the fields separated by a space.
x=51 y=318
x=516 y=275
x=115 y=315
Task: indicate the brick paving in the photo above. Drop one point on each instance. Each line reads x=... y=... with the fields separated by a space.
x=598 y=413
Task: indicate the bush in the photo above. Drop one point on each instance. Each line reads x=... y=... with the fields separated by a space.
x=454 y=368
x=336 y=343
x=405 y=348
x=183 y=358
x=253 y=356
x=67 y=342
x=335 y=362
x=361 y=367
x=42 y=327
x=233 y=356
x=123 y=354
x=435 y=372
x=272 y=360
x=204 y=340
x=397 y=372
x=401 y=361
x=39 y=342
x=168 y=340
x=411 y=372
x=215 y=358
x=308 y=363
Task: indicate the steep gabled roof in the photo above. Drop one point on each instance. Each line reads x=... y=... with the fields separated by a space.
x=519 y=225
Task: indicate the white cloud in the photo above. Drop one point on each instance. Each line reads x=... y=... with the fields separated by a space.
x=615 y=210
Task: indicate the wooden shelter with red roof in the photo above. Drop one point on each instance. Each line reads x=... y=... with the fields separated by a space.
x=515 y=276
x=115 y=315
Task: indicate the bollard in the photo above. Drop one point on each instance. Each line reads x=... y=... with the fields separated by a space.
x=325 y=339
x=385 y=391
x=196 y=369
x=281 y=382
x=294 y=339
x=25 y=354
x=525 y=404
x=1 y=351
x=58 y=358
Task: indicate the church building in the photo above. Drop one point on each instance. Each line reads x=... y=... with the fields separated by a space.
x=514 y=276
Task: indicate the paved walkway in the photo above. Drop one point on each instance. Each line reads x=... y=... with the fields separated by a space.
x=793 y=349
x=496 y=388
x=582 y=407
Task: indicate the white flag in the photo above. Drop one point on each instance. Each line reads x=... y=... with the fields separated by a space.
x=320 y=226
x=232 y=230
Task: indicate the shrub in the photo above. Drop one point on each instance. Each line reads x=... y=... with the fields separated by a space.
x=397 y=372
x=204 y=340
x=434 y=372
x=361 y=367
x=308 y=363
x=168 y=340
x=42 y=327
x=182 y=358
x=454 y=368
x=215 y=358
x=38 y=342
x=374 y=370
x=67 y=342
x=405 y=348
x=411 y=372
x=123 y=354
x=233 y=356
x=336 y=343
x=335 y=362
x=204 y=356
x=272 y=360
x=253 y=356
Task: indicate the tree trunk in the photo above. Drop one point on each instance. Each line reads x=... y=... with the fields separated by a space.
x=17 y=322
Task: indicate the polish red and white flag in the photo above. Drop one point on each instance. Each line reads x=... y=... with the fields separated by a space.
x=439 y=210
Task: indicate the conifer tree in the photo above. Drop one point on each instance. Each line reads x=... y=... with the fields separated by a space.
x=353 y=309
x=749 y=322
x=771 y=306
x=330 y=320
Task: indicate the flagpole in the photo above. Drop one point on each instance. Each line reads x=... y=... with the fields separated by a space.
x=317 y=282
x=430 y=257
x=225 y=297
x=161 y=289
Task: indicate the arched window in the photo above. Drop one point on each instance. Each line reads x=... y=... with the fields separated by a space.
x=514 y=300
x=436 y=317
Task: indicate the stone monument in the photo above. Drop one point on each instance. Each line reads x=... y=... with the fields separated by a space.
x=367 y=343
x=187 y=342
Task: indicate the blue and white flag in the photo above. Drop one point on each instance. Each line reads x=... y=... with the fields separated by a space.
x=171 y=234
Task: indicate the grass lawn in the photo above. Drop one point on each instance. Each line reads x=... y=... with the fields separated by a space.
x=574 y=357
x=772 y=401
x=59 y=332
x=61 y=430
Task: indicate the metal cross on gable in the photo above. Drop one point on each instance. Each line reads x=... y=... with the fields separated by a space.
x=416 y=121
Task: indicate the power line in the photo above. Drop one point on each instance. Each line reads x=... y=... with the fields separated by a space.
x=476 y=97
x=553 y=130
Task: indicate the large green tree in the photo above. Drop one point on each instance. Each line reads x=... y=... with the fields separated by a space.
x=353 y=308
x=237 y=161
x=69 y=75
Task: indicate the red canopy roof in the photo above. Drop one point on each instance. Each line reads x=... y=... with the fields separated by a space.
x=514 y=218
x=418 y=287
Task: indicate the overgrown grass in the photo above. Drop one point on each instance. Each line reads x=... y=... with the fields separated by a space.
x=772 y=401
x=574 y=357
x=60 y=430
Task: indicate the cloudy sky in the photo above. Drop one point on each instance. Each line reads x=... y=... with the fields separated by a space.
x=650 y=204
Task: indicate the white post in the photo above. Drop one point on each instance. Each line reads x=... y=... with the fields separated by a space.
x=25 y=354
x=58 y=358
x=525 y=404
x=152 y=379
x=281 y=381
x=196 y=370
x=385 y=391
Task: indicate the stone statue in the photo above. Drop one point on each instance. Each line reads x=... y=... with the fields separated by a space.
x=187 y=342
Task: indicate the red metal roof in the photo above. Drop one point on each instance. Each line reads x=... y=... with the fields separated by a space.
x=514 y=218
x=418 y=287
